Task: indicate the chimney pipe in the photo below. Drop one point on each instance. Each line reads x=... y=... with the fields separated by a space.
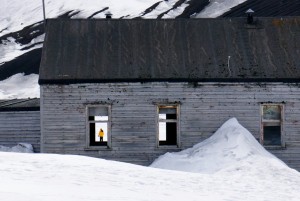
x=44 y=13
x=108 y=15
x=249 y=13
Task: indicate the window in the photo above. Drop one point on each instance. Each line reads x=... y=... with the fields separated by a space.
x=271 y=125
x=168 y=125
x=98 y=126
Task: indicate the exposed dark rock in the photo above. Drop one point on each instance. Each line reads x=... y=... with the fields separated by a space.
x=3 y=30
x=30 y=61
x=31 y=46
x=27 y=63
x=69 y=14
x=95 y=13
x=176 y=5
x=195 y=6
x=151 y=8
x=266 y=8
x=25 y=35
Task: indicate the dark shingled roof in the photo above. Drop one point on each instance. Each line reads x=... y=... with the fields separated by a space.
x=20 y=104
x=140 y=50
x=266 y=8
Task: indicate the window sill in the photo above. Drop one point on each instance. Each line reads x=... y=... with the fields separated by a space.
x=175 y=147
x=274 y=147
x=98 y=148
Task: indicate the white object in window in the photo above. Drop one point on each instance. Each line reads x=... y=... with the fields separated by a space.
x=168 y=128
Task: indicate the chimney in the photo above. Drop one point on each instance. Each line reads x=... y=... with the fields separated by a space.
x=249 y=13
x=108 y=15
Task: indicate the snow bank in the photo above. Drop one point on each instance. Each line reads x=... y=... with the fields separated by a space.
x=48 y=177
x=231 y=145
x=20 y=148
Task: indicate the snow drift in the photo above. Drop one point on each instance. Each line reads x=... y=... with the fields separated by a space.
x=231 y=145
x=20 y=148
x=236 y=168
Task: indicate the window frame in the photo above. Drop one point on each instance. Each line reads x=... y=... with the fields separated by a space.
x=98 y=147
x=177 y=121
x=275 y=122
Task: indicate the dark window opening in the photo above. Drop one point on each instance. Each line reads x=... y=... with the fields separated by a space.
x=271 y=125
x=98 y=126
x=168 y=125
x=272 y=135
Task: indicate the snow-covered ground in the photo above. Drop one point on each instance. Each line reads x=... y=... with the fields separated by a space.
x=241 y=170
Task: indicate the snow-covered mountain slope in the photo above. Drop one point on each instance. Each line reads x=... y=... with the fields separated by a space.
x=20 y=86
x=22 y=27
x=218 y=7
x=252 y=174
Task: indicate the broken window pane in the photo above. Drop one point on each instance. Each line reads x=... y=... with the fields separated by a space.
x=271 y=112
x=272 y=135
x=98 y=111
x=167 y=113
x=271 y=125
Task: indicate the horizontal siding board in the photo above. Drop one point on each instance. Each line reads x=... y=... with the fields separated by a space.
x=20 y=126
x=204 y=107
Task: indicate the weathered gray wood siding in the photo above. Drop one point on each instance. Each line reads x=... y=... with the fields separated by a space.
x=204 y=107
x=20 y=126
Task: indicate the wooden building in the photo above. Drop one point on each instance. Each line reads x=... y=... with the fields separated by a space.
x=156 y=86
x=20 y=122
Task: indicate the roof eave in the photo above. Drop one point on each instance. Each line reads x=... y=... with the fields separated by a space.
x=142 y=80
